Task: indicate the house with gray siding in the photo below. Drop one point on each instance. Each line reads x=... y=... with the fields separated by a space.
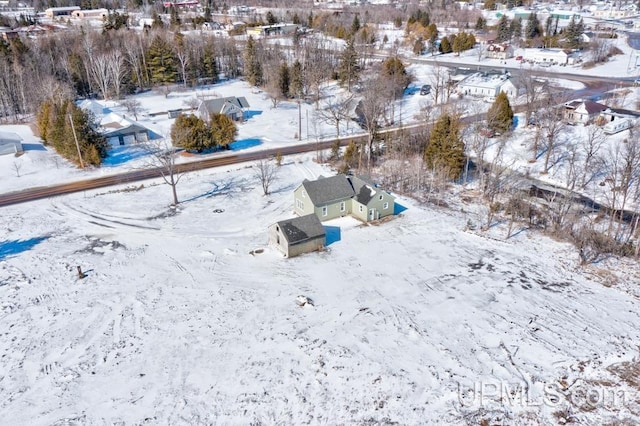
x=233 y=107
x=299 y=235
x=337 y=196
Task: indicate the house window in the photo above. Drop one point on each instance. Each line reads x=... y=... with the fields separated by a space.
x=299 y=204
x=343 y=206
x=361 y=209
x=304 y=194
x=325 y=211
x=381 y=197
x=385 y=206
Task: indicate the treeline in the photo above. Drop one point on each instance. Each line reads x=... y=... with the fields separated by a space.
x=70 y=131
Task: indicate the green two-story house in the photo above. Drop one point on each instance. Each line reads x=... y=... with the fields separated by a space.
x=341 y=195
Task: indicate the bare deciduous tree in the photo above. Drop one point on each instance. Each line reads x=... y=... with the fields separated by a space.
x=370 y=110
x=266 y=171
x=163 y=156
x=336 y=110
x=133 y=107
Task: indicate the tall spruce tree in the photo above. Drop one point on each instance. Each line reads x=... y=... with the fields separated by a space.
x=296 y=86
x=503 y=31
x=533 y=28
x=445 y=150
x=500 y=114
x=516 y=28
x=252 y=66
x=161 y=62
x=348 y=68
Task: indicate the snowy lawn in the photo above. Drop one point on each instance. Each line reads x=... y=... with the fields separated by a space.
x=177 y=323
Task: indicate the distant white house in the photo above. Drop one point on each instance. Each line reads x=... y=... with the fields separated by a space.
x=118 y=129
x=232 y=106
x=582 y=111
x=499 y=51
x=550 y=56
x=53 y=12
x=10 y=143
x=90 y=14
x=271 y=30
x=488 y=85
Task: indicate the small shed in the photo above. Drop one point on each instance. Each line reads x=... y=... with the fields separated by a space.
x=299 y=235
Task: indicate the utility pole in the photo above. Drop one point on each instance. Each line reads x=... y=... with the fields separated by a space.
x=76 y=139
x=299 y=121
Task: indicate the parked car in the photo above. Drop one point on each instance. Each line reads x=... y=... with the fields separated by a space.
x=519 y=58
x=425 y=90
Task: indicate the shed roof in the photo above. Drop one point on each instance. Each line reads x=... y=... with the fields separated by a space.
x=301 y=229
x=328 y=190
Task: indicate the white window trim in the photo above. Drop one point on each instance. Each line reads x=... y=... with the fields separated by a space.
x=385 y=205
x=361 y=209
x=343 y=206
x=325 y=211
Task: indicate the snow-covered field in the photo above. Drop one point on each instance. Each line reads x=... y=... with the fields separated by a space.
x=176 y=323
x=416 y=321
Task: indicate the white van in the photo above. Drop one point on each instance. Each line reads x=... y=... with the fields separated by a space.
x=617 y=126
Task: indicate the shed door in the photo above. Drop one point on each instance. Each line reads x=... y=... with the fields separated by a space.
x=371 y=212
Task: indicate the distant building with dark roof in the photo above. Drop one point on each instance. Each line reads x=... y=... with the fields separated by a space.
x=299 y=235
x=233 y=107
x=582 y=111
x=341 y=195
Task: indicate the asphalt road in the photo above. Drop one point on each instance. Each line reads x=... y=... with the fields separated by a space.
x=151 y=173
x=595 y=85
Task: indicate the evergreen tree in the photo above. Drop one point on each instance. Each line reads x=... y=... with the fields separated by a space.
x=271 y=18
x=54 y=123
x=445 y=150
x=481 y=23
x=174 y=17
x=394 y=71
x=432 y=35
x=284 y=80
x=209 y=63
x=445 y=45
x=223 y=130
x=516 y=28
x=500 y=114
x=296 y=87
x=252 y=66
x=355 y=25
x=490 y=5
x=296 y=19
x=156 y=20
x=533 y=29
x=503 y=31
x=348 y=68
x=418 y=47
x=191 y=133
x=161 y=62
x=573 y=33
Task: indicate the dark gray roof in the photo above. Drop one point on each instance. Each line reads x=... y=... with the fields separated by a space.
x=131 y=129
x=328 y=190
x=364 y=190
x=222 y=105
x=301 y=229
x=623 y=112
